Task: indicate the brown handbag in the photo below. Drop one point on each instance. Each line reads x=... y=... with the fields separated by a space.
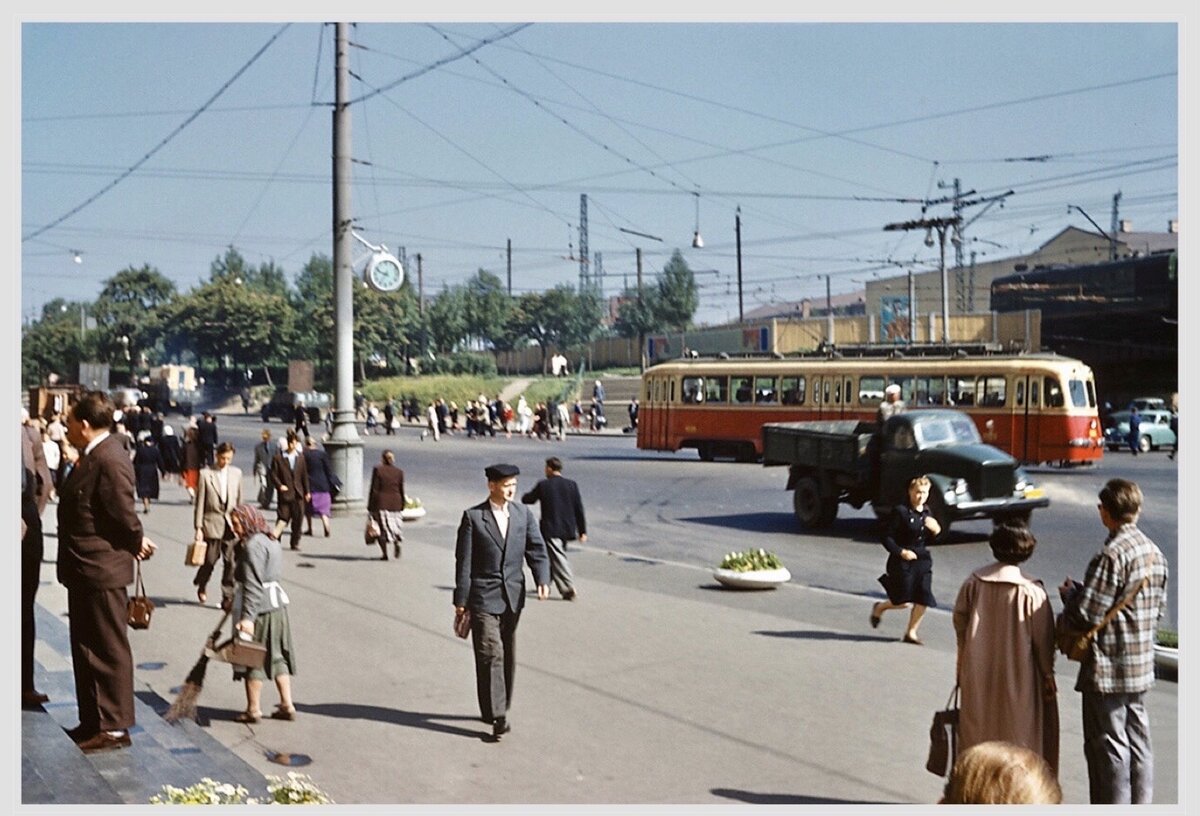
x=140 y=608
x=943 y=737
x=195 y=553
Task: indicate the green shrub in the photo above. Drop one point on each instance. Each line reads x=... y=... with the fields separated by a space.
x=751 y=560
x=1168 y=638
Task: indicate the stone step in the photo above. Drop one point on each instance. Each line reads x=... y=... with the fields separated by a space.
x=178 y=754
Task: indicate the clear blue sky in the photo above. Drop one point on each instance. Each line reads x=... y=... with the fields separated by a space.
x=815 y=130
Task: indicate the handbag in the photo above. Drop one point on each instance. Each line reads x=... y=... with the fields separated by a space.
x=462 y=624
x=943 y=737
x=1075 y=643
x=371 y=532
x=194 y=557
x=140 y=608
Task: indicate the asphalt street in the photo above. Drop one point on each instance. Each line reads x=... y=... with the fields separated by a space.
x=656 y=685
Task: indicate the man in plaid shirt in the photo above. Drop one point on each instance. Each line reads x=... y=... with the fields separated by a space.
x=1119 y=667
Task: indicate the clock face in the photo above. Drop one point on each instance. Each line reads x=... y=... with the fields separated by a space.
x=385 y=275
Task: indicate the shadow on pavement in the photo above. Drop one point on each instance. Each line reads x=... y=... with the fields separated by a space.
x=756 y=798
x=817 y=634
x=395 y=716
x=369 y=555
x=754 y=522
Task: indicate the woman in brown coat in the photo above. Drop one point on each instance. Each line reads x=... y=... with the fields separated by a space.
x=385 y=502
x=1005 y=629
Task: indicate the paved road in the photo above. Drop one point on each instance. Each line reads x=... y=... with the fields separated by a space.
x=654 y=687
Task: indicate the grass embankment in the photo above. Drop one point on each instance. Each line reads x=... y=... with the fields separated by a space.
x=460 y=388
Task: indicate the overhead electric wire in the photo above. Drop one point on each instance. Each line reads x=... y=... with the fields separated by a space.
x=170 y=136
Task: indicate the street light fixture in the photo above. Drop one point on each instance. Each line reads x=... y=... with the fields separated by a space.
x=697 y=241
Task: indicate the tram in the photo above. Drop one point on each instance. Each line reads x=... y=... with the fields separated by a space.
x=1039 y=407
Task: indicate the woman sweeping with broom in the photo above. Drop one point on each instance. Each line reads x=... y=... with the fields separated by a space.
x=260 y=609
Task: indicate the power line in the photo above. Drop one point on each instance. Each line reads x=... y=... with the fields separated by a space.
x=195 y=115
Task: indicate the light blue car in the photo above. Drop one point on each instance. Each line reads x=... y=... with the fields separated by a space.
x=1153 y=432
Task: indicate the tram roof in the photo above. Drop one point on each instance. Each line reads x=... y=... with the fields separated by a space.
x=961 y=361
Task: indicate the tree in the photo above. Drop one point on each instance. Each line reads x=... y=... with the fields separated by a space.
x=314 y=337
x=677 y=299
x=487 y=307
x=387 y=326
x=558 y=318
x=447 y=315
x=223 y=319
x=127 y=312
x=53 y=344
x=637 y=316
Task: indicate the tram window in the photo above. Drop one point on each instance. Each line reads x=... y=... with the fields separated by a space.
x=792 y=390
x=962 y=390
x=907 y=386
x=1091 y=391
x=1054 y=393
x=929 y=391
x=654 y=390
x=816 y=391
x=716 y=389
x=1020 y=393
x=741 y=389
x=672 y=390
x=764 y=390
x=693 y=389
x=837 y=392
x=870 y=390
x=1078 y=393
x=825 y=394
x=1035 y=393
x=990 y=391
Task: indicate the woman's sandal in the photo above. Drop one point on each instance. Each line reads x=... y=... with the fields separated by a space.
x=913 y=640
x=281 y=713
x=875 y=618
x=248 y=717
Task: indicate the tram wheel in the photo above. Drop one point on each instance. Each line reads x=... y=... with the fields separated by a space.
x=705 y=449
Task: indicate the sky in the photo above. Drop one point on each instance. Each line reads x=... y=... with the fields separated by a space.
x=165 y=144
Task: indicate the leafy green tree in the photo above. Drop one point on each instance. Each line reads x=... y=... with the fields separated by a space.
x=314 y=337
x=387 y=326
x=222 y=319
x=557 y=318
x=129 y=307
x=637 y=317
x=447 y=315
x=487 y=308
x=55 y=343
x=678 y=298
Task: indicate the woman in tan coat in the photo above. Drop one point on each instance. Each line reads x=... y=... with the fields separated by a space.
x=1005 y=629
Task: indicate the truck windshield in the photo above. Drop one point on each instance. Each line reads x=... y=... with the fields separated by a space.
x=934 y=432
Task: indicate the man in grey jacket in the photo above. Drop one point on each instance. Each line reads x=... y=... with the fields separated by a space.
x=494 y=539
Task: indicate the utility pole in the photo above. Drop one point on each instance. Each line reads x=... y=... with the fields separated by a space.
x=641 y=334
x=583 y=242
x=929 y=225
x=509 y=255
x=1116 y=224
x=737 y=230
x=420 y=286
x=598 y=275
x=828 y=310
x=345 y=447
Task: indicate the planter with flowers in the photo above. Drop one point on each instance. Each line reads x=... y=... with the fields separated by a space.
x=296 y=789
x=1166 y=651
x=413 y=509
x=752 y=569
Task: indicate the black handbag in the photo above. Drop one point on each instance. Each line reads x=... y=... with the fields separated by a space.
x=139 y=608
x=943 y=737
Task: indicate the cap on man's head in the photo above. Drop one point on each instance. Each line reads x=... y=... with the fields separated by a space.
x=892 y=389
x=496 y=473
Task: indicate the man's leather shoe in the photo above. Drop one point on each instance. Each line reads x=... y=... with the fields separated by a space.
x=77 y=734
x=34 y=698
x=105 y=742
x=500 y=727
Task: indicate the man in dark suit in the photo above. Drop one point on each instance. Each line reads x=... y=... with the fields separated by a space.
x=494 y=538
x=562 y=520
x=206 y=431
x=32 y=545
x=290 y=476
x=99 y=536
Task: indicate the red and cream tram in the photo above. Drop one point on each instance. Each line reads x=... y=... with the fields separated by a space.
x=1039 y=407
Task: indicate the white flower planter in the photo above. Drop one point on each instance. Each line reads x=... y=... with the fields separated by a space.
x=753 y=579
x=412 y=513
x=1166 y=658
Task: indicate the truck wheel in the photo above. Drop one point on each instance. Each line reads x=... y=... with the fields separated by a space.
x=705 y=449
x=1144 y=444
x=812 y=509
x=746 y=453
x=937 y=509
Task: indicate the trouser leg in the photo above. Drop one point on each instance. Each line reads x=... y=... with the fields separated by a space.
x=489 y=665
x=560 y=567
x=1106 y=748
x=212 y=553
x=1141 y=752
x=228 y=582
x=101 y=658
x=297 y=523
x=32 y=546
x=508 y=637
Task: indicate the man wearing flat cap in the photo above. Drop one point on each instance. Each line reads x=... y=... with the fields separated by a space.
x=494 y=538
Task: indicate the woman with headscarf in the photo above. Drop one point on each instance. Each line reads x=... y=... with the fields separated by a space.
x=147 y=465
x=321 y=481
x=172 y=453
x=260 y=609
x=385 y=503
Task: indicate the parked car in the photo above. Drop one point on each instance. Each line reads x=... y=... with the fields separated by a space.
x=282 y=405
x=1154 y=431
x=1148 y=403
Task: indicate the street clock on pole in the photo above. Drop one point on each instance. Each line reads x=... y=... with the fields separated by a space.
x=383 y=271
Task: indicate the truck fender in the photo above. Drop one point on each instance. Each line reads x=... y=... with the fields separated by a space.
x=796 y=473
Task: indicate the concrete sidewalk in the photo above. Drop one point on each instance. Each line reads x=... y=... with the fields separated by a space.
x=655 y=686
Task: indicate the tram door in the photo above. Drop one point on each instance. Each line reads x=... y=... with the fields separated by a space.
x=1026 y=418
